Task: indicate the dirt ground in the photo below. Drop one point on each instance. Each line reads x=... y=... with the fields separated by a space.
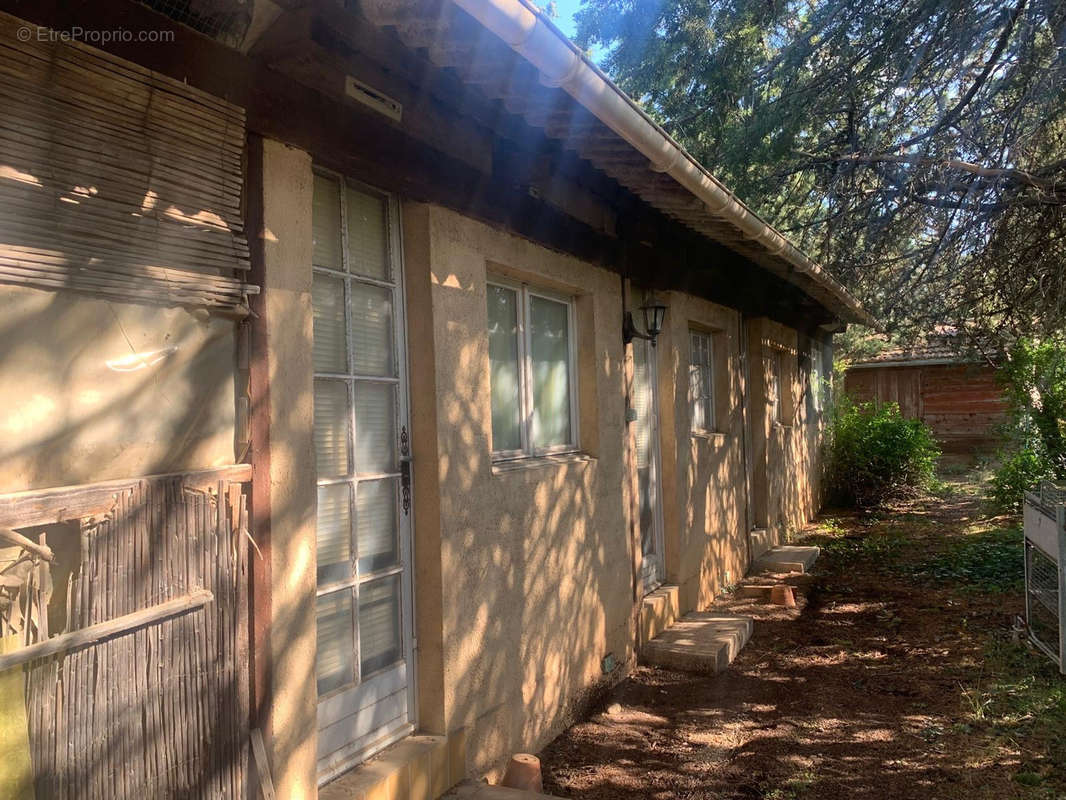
x=898 y=676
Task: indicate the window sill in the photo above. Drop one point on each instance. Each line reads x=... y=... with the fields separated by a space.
x=534 y=462
x=714 y=437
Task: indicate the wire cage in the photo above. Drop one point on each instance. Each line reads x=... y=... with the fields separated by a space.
x=1045 y=570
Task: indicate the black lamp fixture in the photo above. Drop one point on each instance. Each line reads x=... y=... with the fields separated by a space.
x=654 y=313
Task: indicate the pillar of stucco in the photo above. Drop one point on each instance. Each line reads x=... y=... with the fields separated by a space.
x=283 y=464
x=429 y=624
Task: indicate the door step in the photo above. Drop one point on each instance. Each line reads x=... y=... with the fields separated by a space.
x=482 y=791
x=786 y=558
x=760 y=541
x=658 y=610
x=703 y=641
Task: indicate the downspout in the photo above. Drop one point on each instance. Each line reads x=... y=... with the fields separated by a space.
x=562 y=65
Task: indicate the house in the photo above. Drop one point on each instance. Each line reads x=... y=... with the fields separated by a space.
x=936 y=380
x=330 y=424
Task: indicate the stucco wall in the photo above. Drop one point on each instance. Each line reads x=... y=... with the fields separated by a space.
x=96 y=389
x=536 y=565
x=703 y=473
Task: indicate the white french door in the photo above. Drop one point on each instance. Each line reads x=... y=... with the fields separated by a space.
x=364 y=658
x=646 y=406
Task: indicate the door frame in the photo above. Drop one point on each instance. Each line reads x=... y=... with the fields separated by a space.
x=651 y=581
x=338 y=764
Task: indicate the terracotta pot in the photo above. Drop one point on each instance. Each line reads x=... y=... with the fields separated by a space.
x=782 y=595
x=523 y=773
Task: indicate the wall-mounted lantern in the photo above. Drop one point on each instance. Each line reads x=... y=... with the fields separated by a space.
x=654 y=313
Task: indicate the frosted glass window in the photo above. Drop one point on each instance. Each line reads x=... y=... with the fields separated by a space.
x=367 y=235
x=379 y=623
x=331 y=428
x=375 y=525
x=531 y=372
x=504 y=368
x=371 y=331
x=334 y=665
x=701 y=381
x=375 y=432
x=549 y=337
x=327 y=303
x=326 y=223
x=334 y=528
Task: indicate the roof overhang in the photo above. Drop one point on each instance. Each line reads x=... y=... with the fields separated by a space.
x=615 y=135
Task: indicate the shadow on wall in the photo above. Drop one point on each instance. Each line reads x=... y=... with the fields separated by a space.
x=96 y=389
x=536 y=563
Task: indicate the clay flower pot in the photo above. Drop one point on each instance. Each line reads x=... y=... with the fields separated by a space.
x=782 y=595
x=523 y=773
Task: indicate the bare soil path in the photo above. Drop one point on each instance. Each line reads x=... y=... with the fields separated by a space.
x=898 y=676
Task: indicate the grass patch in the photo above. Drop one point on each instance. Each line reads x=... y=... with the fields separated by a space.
x=1020 y=697
x=986 y=561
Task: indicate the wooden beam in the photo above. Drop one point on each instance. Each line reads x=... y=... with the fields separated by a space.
x=106 y=630
x=49 y=506
x=16 y=538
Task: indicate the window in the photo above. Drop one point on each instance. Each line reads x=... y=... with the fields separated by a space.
x=531 y=364
x=701 y=381
x=356 y=406
x=818 y=386
x=777 y=373
x=774 y=393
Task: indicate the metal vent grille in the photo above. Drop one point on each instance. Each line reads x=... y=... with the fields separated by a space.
x=224 y=20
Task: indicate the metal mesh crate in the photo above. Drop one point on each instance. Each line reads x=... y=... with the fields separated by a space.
x=1045 y=570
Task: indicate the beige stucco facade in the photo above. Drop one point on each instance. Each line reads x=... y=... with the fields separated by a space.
x=534 y=558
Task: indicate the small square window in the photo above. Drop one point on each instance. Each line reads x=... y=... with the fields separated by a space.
x=531 y=371
x=701 y=382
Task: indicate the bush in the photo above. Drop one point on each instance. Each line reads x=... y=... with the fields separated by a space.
x=1018 y=472
x=874 y=454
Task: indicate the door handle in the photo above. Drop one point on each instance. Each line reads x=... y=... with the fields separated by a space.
x=405 y=470
x=405 y=483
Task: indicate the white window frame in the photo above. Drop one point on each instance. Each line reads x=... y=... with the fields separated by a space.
x=817 y=378
x=710 y=412
x=351 y=478
x=777 y=386
x=523 y=296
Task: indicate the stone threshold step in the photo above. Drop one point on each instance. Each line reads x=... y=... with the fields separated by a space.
x=482 y=791
x=703 y=641
x=786 y=558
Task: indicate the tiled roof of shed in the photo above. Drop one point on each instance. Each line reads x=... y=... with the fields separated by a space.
x=943 y=344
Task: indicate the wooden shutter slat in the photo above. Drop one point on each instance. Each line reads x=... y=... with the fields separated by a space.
x=116 y=180
x=36 y=112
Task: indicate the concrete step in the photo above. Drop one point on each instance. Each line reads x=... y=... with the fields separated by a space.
x=786 y=558
x=472 y=790
x=761 y=540
x=703 y=641
x=658 y=611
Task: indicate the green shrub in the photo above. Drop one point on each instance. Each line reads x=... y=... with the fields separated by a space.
x=874 y=454
x=1018 y=472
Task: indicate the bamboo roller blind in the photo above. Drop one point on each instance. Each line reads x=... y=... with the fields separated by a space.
x=115 y=180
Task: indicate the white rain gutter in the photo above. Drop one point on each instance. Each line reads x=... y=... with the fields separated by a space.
x=562 y=65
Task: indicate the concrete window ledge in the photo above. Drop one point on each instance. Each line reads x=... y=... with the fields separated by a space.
x=535 y=462
x=416 y=768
